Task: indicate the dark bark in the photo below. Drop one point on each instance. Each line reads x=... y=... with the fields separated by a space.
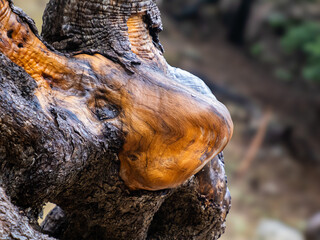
x=44 y=160
x=13 y=223
x=51 y=152
x=74 y=27
x=195 y=206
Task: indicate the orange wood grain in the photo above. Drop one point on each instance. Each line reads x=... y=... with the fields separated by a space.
x=171 y=131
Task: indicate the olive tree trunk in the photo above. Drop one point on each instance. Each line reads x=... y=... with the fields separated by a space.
x=93 y=119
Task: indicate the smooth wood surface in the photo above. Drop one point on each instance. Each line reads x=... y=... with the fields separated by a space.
x=170 y=131
x=90 y=113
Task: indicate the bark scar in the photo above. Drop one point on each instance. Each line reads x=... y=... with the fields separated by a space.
x=197 y=126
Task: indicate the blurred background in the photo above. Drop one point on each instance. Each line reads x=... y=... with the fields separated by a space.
x=262 y=59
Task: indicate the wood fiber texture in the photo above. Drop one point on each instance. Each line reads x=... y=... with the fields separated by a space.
x=75 y=27
x=100 y=119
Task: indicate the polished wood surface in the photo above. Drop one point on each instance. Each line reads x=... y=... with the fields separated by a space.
x=170 y=131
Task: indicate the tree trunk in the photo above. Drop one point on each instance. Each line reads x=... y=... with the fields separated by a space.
x=237 y=29
x=93 y=119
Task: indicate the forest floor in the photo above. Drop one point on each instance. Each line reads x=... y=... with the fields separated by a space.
x=274 y=185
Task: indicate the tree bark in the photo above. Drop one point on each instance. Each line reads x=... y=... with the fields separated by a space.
x=93 y=119
x=13 y=225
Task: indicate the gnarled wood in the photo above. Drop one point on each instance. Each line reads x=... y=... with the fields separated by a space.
x=13 y=225
x=171 y=131
x=76 y=29
x=195 y=207
x=62 y=138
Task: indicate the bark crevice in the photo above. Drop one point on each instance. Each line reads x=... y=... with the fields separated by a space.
x=79 y=131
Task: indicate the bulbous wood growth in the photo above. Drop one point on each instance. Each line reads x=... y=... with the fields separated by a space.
x=104 y=118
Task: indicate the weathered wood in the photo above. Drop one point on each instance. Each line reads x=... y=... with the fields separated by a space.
x=13 y=225
x=195 y=207
x=83 y=133
x=74 y=27
x=171 y=131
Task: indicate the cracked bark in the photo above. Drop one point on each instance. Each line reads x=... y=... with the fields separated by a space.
x=102 y=126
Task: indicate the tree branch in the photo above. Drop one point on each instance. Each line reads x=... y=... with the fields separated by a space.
x=13 y=225
x=79 y=131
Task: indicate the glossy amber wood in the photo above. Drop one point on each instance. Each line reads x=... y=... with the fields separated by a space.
x=170 y=130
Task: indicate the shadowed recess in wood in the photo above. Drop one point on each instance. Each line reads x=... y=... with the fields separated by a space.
x=170 y=130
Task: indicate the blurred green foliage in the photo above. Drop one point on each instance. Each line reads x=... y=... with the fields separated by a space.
x=256 y=49
x=304 y=39
x=299 y=36
x=277 y=20
x=283 y=74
